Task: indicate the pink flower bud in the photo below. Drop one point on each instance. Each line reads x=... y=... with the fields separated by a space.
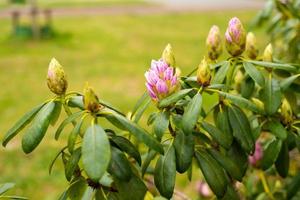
x=235 y=37
x=214 y=43
x=255 y=159
x=203 y=189
x=161 y=80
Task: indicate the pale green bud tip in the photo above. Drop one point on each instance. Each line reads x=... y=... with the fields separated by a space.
x=56 y=78
x=168 y=55
x=268 y=53
x=251 y=49
x=90 y=99
x=286 y=112
x=203 y=73
x=214 y=43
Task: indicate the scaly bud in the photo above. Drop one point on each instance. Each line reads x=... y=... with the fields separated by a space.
x=203 y=73
x=235 y=37
x=214 y=43
x=255 y=159
x=168 y=56
x=56 y=78
x=251 y=49
x=268 y=54
x=90 y=99
x=286 y=112
x=161 y=80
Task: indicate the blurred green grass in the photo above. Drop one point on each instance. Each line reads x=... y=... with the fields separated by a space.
x=112 y=53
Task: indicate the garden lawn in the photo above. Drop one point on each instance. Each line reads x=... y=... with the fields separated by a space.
x=112 y=53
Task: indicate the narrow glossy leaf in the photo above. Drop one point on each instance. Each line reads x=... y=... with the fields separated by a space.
x=271 y=96
x=73 y=136
x=165 y=173
x=56 y=113
x=192 y=114
x=5 y=187
x=283 y=160
x=286 y=83
x=76 y=101
x=141 y=110
x=138 y=132
x=271 y=152
x=277 y=129
x=228 y=164
x=77 y=189
x=184 y=151
x=35 y=133
x=247 y=87
x=271 y=65
x=68 y=120
x=150 y=156
x=126 y=146
x=119 y=166
x=294 y=186
x=212 y=172
x=254 y=73
x=238 y=156
x=95 y=152
x=141 y=100
x=221 y=73
x=160 y=124
x=72 y=164
x=241 y=128
x=231 y=194
x=55 y=158
x=222 y=123
x=217 y=135
x=173 y=98
x=241 y=102
x=13 y=197
x=20 y=124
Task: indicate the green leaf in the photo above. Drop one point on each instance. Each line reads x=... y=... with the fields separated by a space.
x=277 y=129
x=184 y=151
x=165 y=173
x=286 y=83
x=173 y=98
x=5 y=187
x=56 y=113
x=141 y=111
x=241 y=102
x=191 y=114
x=238 y=156
x=221 y=73
x=77 y=189
x=217 y=135
x=13 y=197
x=68 y=120
x=231 y=193
x=119 y=166
x=271 y=152
x=228 y=164
x=72 y=164
x=282 y=162
x=126 y=146
x=77 y=102
x=222 y=123
x=20 y=124
x=150 y=156
x=241 y=128
x=95 y=152
x=55 y=158
x=35 y=133
x=212 y=172
x=254 y=73
x=160 y=124
x=293 y=187
x=73 y=136
x=138 y=132
x=247 y=87
x=271 y=96
x=271 y=65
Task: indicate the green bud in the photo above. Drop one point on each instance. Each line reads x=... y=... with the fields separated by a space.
x=203 y=73
x=238 y=78
x=168 y=56
x=268 y=54
x=56 y=78
x=214 y=43
x=286 y=112
x=90 y=99
x=251 y=49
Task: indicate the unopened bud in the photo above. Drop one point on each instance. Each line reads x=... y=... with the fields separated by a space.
x=251 y=49
x=286 y=112
x=90 y=99
x=56 y=78
x=268 y=53
x=238 y=79
x=214 y=43
x=168 y=56
x=235 y=37
x=203 y=73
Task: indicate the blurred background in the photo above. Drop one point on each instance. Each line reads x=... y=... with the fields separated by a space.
x=109 y=43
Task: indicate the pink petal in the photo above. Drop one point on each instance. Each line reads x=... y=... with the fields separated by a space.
x=161 y=87
x=168 y=73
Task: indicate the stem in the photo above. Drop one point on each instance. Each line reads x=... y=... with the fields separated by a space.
x=265 y=184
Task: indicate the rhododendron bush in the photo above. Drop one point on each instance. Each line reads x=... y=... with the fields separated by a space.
x=243 y=145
